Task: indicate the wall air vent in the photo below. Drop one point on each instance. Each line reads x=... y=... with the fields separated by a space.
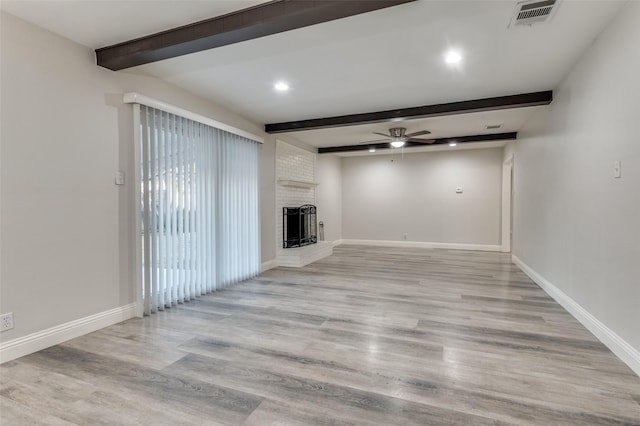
x=493 y=126
x=533 y=12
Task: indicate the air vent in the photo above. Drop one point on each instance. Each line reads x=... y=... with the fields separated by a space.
x=493 y=126
x=533 y=12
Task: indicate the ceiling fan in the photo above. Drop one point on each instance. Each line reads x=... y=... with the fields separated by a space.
x=399 y=137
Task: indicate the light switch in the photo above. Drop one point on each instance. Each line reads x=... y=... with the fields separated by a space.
x=617 y=172
x=459 y=190
x=119 y=178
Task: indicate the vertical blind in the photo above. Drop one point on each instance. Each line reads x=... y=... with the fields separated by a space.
x=200 y=213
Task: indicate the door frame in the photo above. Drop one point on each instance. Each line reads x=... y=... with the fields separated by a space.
x=507 y=199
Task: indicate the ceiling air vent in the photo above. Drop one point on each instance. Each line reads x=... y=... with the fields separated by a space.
x=533 y=12
x=493 y=126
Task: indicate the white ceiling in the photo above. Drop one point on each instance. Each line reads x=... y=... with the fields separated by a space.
x=388 y=59
x=100 y=23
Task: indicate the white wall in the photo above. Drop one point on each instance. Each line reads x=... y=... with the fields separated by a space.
x=66 y=228
x=329 y=195
x=575 y=225
x=384 y=199
x=268 y=198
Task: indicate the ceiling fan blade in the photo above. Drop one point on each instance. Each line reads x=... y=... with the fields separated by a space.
x=418 y=140
x=382 y=134
x=421 y=132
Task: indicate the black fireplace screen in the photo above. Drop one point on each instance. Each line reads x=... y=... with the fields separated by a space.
x=299 y=226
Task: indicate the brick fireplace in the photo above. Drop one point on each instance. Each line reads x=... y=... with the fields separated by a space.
x=296 y=187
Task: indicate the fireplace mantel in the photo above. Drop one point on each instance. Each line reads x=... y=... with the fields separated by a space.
x=297 y=183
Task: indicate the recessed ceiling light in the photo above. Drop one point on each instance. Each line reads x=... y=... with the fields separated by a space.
x=452 y=144
x=281 y=86
x=452 y=57
x=372 y=149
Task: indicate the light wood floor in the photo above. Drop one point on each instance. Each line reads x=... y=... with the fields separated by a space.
x=369 y=336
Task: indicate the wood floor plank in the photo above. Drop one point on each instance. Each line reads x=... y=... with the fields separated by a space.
x=368 y=336
x=462 y=394
x=14 y=413
x=195 y=397
x=292 y=414
x=329 y=396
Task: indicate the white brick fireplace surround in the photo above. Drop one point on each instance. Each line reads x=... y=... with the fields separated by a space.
x=296 y=186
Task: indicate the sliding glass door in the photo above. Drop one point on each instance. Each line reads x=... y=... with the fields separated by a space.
x=199 y=208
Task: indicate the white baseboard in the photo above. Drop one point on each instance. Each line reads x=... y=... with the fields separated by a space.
x=269 y=264
x=61 y=333
x=623 y=350
x=421 y=244
x=337 y=242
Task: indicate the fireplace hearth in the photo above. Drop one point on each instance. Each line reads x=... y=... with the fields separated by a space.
x=299 y=226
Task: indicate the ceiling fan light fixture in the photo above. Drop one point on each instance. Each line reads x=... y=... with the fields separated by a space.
x=398 y=136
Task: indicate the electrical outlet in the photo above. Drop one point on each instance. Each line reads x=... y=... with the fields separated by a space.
x=6 y=321
x=405 y=236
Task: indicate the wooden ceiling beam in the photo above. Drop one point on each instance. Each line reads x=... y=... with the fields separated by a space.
x=440 y=141
x=476 y=105
x=259 y=21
